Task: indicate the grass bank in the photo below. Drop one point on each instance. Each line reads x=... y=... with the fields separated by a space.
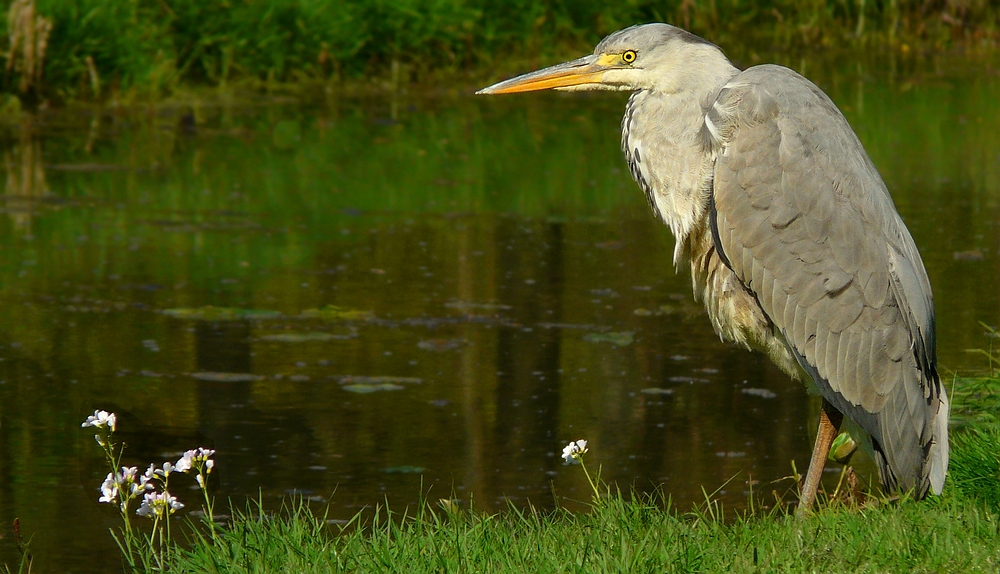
x=948 y=535
x=95 y=49
x=957 y=532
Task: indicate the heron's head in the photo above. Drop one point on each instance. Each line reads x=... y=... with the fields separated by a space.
x=657 y=57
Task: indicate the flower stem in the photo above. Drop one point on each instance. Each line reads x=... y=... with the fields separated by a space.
x=593 y=486
x=209 y=507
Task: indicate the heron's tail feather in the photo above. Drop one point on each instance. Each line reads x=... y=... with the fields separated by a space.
x=937 y=455
x=911 y=441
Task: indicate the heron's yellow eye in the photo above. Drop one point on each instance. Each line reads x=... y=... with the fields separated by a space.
x=628 y=56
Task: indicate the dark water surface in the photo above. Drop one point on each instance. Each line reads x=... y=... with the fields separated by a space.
x=501 y=289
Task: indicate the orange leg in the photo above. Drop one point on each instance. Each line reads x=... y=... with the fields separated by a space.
x=829 y=425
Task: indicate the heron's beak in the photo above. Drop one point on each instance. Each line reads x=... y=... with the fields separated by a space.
x=585 y=70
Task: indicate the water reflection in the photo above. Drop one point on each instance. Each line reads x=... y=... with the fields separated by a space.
x=495 y=279
x=25 y=184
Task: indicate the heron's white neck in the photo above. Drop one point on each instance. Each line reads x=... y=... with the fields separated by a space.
x=692 y=70
x=663 y=143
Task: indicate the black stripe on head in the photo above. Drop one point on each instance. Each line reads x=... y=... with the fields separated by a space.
x=646 y=36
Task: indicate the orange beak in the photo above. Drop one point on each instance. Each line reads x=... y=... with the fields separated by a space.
x=585 y=70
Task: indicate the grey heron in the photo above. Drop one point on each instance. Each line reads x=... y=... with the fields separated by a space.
x=795 y=246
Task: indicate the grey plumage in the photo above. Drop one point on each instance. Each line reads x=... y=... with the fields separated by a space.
x=831 y=252
x=794 y=243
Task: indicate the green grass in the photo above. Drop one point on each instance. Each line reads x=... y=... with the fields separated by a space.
x=956 y=532
x=946 y=535
x=975 y=435
x=975 y=465
x=122 y=48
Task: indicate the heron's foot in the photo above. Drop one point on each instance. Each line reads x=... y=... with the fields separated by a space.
x=829 y=425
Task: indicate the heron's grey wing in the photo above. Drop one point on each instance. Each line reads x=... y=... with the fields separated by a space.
x=806 y=223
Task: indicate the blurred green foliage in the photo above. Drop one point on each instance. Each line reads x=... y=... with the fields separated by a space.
x=152 y=46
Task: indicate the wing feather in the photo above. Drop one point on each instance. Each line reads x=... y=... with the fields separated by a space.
x=810 y=229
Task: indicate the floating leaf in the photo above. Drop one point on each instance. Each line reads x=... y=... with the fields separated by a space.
x=973 y=255
x=608 y=292
x=762 y=393
x=301 y=337
x=226 y=377
x=404 y=469
x=621 y=339
x=211 y=313
x=682 y=379
x=334 y=313
x=441 y=344
x=355 y=379
x=661 y=310
x=581 y=326
x=97 y=306
x=365 y=388
x=468 y=306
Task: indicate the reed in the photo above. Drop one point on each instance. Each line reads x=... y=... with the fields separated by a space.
x=28 y=36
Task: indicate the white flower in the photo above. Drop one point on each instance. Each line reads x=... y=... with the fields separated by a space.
x=109 y=489
x=146 y=480
x=167 y=469
x=196 y=458
x=184 y=463
x=158 y=505
x=127 y=475
x=201 y=481
x=101 y=419
x=122 y=486
x=574 y=451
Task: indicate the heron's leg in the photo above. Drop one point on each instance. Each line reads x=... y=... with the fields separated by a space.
x=829 y=425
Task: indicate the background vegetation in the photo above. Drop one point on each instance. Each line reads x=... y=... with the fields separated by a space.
x=96 y=48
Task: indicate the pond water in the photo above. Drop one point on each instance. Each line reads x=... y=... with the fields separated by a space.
x=361 y=301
